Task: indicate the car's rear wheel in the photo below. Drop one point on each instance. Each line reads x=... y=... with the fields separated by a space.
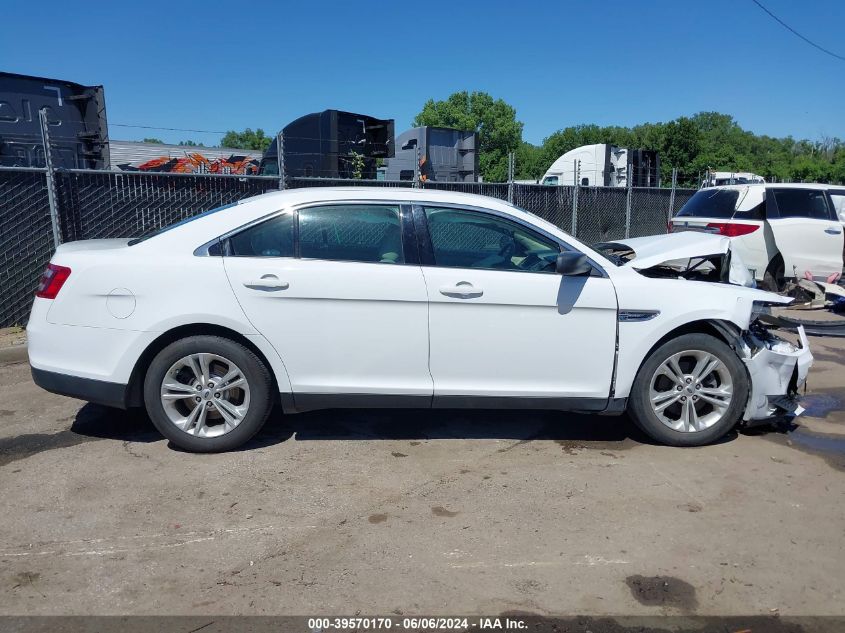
x=207 y=393
x=691 y=391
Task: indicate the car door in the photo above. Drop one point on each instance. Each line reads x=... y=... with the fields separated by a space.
x=806 y=232
x=344 y=302
x=505 y=329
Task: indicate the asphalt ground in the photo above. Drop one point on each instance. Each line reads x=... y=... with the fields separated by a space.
x=420 y=512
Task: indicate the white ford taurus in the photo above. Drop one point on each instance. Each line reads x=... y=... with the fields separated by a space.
x=365 y=297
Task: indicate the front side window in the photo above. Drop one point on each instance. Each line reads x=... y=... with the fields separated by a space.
x=802 y=203
x=468 y=239
x=353 y=232
x=271 y=238
x=550 y=180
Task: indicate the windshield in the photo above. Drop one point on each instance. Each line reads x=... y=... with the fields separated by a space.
x=165 y=229
x=711 y=203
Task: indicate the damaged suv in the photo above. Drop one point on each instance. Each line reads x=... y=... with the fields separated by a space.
x=360 y=297
x=783 y=231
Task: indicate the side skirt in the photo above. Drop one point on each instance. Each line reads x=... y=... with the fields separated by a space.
x=301 y=402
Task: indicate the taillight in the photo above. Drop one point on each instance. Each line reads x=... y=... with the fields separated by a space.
x=733 y=229
x=52 y=281
x=670 y=226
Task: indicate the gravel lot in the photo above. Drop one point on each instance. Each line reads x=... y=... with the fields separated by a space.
x=437 y=512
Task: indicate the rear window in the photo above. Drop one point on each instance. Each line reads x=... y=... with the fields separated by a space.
x=711 y=203
x=165 y=229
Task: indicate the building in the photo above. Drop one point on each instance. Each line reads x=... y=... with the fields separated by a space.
x=186 y=159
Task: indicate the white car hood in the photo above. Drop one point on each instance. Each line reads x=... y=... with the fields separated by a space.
x=654 y=250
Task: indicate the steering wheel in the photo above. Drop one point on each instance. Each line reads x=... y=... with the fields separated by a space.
x=507 y=247
x=535 y=263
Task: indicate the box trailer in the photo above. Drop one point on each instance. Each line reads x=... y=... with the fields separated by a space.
x=76 y=117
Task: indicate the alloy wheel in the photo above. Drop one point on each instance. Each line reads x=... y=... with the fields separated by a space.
x=205 y=395
x=691 y=391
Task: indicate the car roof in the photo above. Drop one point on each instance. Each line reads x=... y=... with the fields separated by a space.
x=307 y=194
x=209 y=225
x=777 y=185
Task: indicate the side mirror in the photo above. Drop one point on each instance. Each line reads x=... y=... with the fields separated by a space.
x=571 y=264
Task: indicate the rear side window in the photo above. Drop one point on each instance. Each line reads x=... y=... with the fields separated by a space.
x=273 y=238
x=711 y=203
x=354 y=233
x=802 y=203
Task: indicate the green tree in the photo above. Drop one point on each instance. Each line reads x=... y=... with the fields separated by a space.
x=681 y=144
x=248 y=139
x=710 y=140
x=357 y=163
x=153 y=140
x=190 y=143
x=529 y=162
x=495 y=121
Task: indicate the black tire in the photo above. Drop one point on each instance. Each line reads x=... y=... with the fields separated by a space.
x=257 y=376
x=645 y=418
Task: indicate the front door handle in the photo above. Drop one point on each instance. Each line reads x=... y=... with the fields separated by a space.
x=461 y=290
x=267 y=282
x=833 y=231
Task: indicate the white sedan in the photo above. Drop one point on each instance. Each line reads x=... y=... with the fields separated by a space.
x=377 y=297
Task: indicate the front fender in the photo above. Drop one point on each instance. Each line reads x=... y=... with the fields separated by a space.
x=677 y=304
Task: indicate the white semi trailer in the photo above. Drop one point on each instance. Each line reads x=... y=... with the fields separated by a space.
x=604 y=165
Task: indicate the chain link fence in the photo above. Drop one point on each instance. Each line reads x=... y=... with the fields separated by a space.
x=103 y=204
x=26 y=240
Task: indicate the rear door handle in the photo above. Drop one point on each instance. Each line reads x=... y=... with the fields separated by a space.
x=461 y=290
x=267 y=282
x=833 y=231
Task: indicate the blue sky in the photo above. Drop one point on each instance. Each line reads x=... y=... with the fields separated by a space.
x=217 y=65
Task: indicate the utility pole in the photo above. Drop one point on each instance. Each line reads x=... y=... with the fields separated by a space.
x=280 y=156
x=51 y=180
x=417 y=182
x=511 y=162
x=628 y=183
x=672 y=192
x=576 y=179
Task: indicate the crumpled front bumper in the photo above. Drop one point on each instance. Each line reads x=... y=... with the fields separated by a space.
x=778 y=369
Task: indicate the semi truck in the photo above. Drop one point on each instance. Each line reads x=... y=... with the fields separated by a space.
x=444 y=155
x=331 y=144
x=605 y=165
x=76 y=123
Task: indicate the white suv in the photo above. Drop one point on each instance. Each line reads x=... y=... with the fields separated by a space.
x=318 y=298
x=781 y=231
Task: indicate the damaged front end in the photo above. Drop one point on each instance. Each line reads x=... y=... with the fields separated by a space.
x=689 y=255
x=777 y=368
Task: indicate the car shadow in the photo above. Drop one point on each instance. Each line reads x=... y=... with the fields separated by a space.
x=95 y=421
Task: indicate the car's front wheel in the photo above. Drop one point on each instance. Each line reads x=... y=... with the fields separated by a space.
x=207 y=393
x=690 y=391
